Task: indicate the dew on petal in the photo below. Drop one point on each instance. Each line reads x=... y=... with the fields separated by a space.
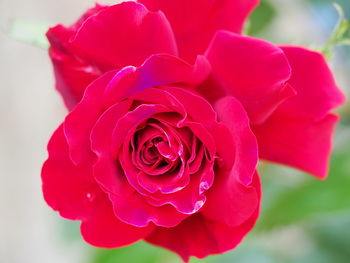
x=90 y=196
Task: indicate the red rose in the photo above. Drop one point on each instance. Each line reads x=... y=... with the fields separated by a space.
x=165 y=151
x=143 y=155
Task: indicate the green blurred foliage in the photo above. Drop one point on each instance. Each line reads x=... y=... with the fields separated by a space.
x=140 y=252
x=261 y=17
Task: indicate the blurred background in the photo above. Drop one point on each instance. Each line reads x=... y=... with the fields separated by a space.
x=302 y=220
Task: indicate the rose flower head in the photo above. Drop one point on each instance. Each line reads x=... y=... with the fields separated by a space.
x=170 y=110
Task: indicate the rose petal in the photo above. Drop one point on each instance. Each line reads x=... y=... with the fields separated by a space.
x=78 y=123
x=317 y=92
x=103 y=229
x=252 y=70
x=106 y=172
x=191 y=198
x=231 y=202
x=198 y=108
x=72 y=74
x=60 y=175
x=206 y=236
x=133 y=209
x=297 y=142
x=123 y=34
x=195 y=21
x=233 y=116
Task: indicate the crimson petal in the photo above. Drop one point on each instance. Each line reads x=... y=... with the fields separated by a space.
x=252 y=70
x=195 y=21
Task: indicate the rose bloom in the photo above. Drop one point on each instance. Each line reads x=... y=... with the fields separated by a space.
x=171 y=110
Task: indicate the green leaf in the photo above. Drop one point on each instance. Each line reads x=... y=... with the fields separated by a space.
x=29 y=32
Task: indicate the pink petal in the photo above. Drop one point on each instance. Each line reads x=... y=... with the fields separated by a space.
x=199 y=236
x=317 y=92
x=72 y=74
x=191 y=198
x=197 y=107
x=103 y=229
x=233 y=116
x=297 y=142
x=123 y=34
x=78 y=123
x=231 y=202
x=106 y=172
x=66 y=187
x=195 y=21
x=252 y=70
x=134 y=209
x=300 y=132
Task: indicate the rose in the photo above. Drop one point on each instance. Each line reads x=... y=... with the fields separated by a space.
x=285 y=94
x=144 y=156
x=297 y=134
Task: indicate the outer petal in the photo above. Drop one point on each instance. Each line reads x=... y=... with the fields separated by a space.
x=233 y=197
x=72 y=191
x=231 y=113
x=103 y=229
x=317 y=92
x=195 y=21
x=300 y=132
x=199 y=236
x=123 y=34
x=296 y=142
x=252 y=70
x=66 y=187
x=135 y=210
x=105 y=38
x=72 y=74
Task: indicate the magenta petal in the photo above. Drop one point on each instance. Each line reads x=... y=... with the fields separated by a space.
x=191 y=198
x=78 y=123
x=130 y=121
x=106 y=171
x=317 y=92
x=252 y=70
x=72 y=74
x=66 y=187
x=199 y=236
x=233 y=116
x=231 y=202
x=297 y=142
x=123 y=34
x=155 y=71
x=133 y=209
x=198 y=108
x=103 y=229
x=195 y=21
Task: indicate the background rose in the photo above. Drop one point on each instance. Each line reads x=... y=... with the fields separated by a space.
x=143 y=156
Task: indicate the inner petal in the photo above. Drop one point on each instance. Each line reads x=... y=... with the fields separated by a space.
x=165 y=150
